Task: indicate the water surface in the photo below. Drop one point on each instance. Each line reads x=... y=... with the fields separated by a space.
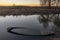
x=37 y=24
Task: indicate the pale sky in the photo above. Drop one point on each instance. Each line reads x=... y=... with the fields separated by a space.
x=20 y=2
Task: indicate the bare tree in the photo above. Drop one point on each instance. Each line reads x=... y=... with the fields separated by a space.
x=58 y=2
x=44 y=2
x=49 y=2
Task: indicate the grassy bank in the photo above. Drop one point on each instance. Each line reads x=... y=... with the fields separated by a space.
x=24 y=10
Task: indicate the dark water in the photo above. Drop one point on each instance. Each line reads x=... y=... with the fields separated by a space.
x=36 y=24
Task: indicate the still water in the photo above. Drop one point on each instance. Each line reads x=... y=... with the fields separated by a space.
x=36 y=24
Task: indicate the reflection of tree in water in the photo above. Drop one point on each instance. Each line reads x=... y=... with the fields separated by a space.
x=57 y=23
x=55 y=19
x=44 y=20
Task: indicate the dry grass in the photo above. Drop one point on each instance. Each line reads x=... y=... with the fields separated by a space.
x=25 y=10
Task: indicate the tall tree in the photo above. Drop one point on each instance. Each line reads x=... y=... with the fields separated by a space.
x=49 y=4
x=45 y=2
